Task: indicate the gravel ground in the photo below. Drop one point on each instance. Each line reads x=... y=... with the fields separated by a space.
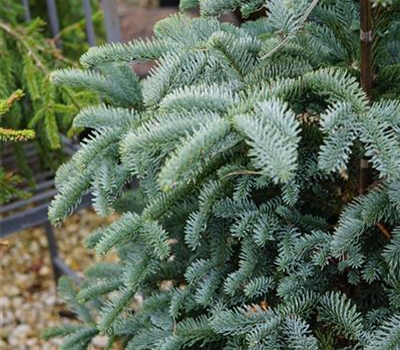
x=28 y=297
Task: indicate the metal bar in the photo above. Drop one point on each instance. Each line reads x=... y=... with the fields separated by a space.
x=111 y=20
x=27 y=145
x=64 y=269
x=32 y=217
x=39 y=179
x=43 y=185
x=40 y=187
x=68 y=141
x=69 y=145
x=27 y=14
x=89 y=23
x=31 y=200
x=6 y=159
x=42 y=176
x=53 y=250
x=60 y=268
x=24 y=220
x=9 y=151
x=53 y=19
x=70 y=151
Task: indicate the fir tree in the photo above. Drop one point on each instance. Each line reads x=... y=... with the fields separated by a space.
x=248 y=229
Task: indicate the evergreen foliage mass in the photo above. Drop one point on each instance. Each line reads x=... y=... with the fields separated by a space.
x=247 y=230
x=9 y=182
x=31 y=107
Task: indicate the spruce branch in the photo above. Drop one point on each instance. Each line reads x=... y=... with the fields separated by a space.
x=28 y=47
x=16 y=135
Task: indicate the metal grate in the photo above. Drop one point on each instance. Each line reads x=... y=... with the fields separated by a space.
x=23 y=214
x=111 y=20
x=26 y=213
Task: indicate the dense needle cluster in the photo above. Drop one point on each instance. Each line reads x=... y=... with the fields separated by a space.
x=247 y=229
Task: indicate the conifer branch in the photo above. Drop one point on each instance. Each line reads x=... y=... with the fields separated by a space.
x=286 y=40
x=28 y=47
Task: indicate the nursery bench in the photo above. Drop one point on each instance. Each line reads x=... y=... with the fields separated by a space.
x=23 y=214
x=27 y=213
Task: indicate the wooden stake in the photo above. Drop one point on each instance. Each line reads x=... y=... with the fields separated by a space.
x=366 y=39
x=382 y=228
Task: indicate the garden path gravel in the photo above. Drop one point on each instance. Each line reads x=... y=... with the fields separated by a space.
x=28 y=297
